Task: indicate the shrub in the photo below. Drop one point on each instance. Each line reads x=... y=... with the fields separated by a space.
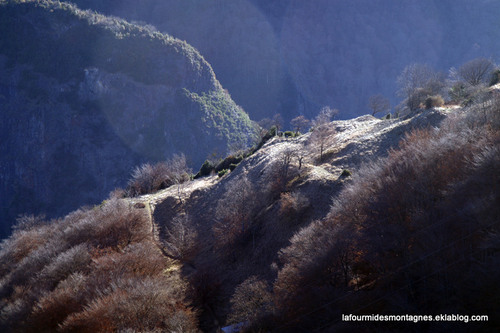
x=251 y=300
x=268 y=135
x=148 y=179
x=147 y=304
x=416 y=82
x=206 y=169
x=223 y=172
x=114 y=224
x=76 y=259
x=417 y=99
x=53 y=307
x=434 y=101
x=31 y=265
x=205 y=292
x=120 y=225
x=346 y=173
x=130 y=263
x=21 y=244
x=226 y=163
x=232 y=166
x=99 y=269
x=495 y=77
x=458 y=93
x=273 y=131
x=292 y=206
x=118 y=193
x=151 y=178
x=28 y=222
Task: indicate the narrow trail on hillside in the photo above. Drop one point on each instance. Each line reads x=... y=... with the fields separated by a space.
x=181 y=193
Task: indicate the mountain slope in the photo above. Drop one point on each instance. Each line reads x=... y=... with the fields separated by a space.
x=293 y=57
x=289 y=245
x=286 y=241
x=244 y=219
x=84 y=98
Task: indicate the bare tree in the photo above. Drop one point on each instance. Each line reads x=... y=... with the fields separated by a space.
x=180 y=238
x=378 y=104
x=326 y=115
x=301 y=154
x=320 y=137
x=322 y=131
x=281 y=170
x=299 y=123
x=476 y=71
x=266 y=123
x=251 y=300
x=416 y=82
x=234 y=212
x=412 y=77
x=286 y=161
x=278 y=122
x=181 y=173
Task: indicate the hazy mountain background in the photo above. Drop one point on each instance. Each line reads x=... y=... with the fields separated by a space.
x=293 y=57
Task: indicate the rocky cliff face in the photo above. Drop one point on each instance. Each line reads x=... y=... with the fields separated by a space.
x=295 y=56
x=85 y=98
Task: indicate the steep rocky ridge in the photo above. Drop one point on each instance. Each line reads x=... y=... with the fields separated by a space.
x=85 y=98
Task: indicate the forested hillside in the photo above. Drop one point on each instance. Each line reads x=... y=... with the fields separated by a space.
x=85 y=98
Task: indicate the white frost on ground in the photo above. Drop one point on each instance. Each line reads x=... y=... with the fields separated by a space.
x=354 y=142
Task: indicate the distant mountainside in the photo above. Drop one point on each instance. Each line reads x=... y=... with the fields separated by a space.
x=294 y=56
x=85 y=98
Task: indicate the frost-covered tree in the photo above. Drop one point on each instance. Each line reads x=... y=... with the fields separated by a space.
x=476 y=71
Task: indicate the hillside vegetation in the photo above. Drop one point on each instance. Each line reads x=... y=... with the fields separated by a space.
x=85 y=98
x=88 y=273
x=287 y=241
x=391 y=215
